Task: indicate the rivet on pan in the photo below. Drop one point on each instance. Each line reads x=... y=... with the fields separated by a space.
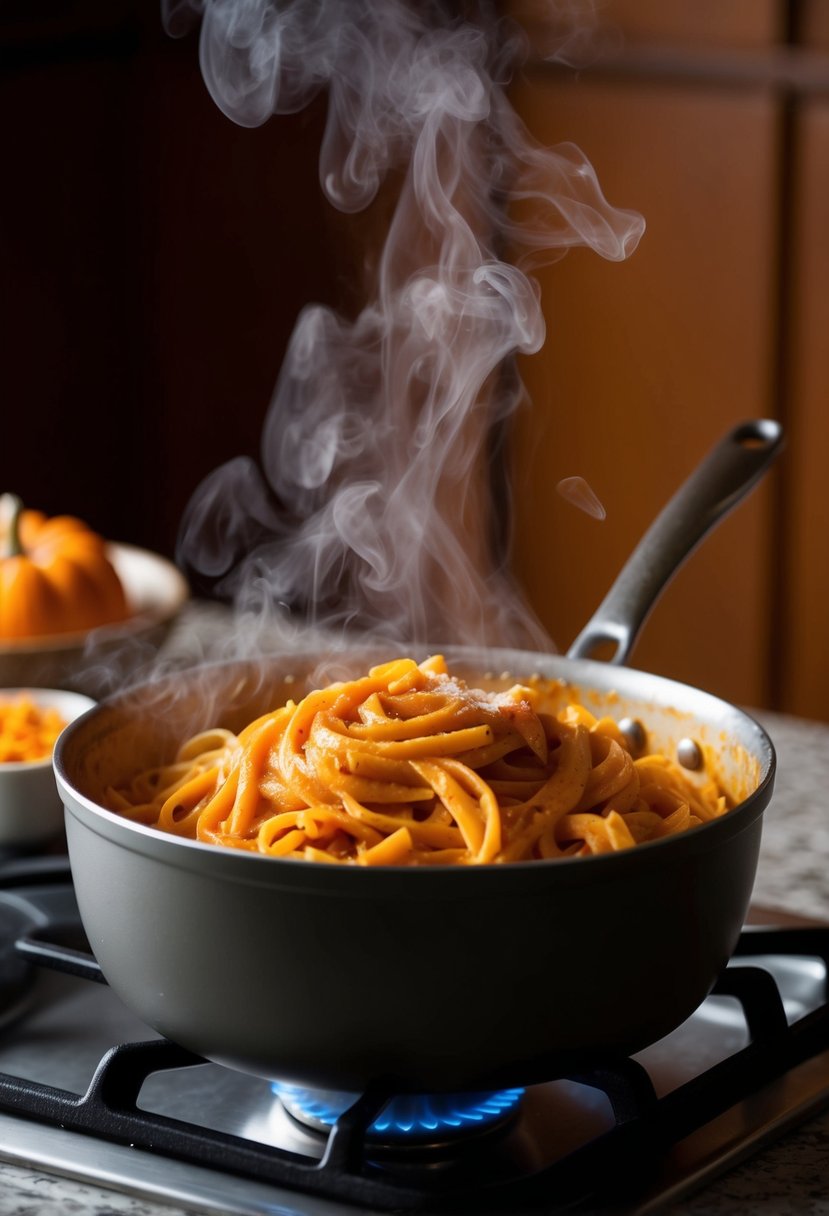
x=634 y=732
x=689 y=753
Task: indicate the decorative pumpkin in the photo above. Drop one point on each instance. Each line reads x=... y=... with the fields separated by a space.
x=55 y=576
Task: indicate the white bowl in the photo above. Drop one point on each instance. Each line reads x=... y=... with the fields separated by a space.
x=156 y=592
x=30 y=806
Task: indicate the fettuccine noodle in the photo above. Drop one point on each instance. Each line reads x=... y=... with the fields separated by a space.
x=409 y=766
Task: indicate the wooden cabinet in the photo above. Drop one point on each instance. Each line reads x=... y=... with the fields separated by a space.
x=802 y=557
x=648 y=362
x=712 y=122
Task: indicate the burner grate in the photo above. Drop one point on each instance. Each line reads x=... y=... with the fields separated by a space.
x=351 y=1171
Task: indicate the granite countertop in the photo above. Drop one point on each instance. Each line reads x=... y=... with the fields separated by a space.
x=789 y=1178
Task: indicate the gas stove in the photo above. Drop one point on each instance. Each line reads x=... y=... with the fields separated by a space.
x=89 y=1092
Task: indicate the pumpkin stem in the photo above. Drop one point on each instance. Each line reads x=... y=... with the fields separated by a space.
x=11 y=508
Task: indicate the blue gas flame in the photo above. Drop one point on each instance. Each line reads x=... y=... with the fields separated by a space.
x=408 y=1116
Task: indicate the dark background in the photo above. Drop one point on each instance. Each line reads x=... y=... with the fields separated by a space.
x=154 y=259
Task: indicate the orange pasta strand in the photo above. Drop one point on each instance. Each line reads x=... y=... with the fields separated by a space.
x=408 y=765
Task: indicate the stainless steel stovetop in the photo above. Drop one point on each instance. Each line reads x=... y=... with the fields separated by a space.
x=719 y=1092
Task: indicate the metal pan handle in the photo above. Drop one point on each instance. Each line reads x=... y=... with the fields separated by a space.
x=726 y=475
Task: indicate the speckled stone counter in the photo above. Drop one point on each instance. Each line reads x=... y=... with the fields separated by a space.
x=791 y=1176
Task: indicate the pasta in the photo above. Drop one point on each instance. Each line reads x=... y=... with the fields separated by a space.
x=27 y=730
x=407 y=765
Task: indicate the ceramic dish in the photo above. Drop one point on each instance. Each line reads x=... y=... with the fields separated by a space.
x=155 y=589
x=30 y=807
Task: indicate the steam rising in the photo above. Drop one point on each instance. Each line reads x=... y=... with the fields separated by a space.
x=370 y=511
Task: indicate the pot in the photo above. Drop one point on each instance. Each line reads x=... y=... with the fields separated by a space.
x=434 y=978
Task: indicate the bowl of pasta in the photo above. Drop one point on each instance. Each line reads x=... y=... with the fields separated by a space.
x=30 y=722
x=444 y=867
